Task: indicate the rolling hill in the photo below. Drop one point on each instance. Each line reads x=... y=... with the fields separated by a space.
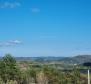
x=70 y=60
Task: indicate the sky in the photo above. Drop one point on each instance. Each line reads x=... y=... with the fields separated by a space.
x=45 y=27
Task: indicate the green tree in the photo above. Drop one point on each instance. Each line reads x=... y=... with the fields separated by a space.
x=32 y=74
x=9 y=69
x=53 y=75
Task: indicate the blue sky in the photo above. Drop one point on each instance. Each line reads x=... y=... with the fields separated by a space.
x=45 y=27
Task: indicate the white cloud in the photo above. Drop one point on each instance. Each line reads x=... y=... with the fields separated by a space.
x=10 y=43
x=35 y=10
x=10 y=5
x=15 y=42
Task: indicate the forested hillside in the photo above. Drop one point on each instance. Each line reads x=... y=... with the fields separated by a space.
x=28 y=72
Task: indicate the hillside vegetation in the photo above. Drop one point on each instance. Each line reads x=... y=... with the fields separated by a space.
x=28 y=72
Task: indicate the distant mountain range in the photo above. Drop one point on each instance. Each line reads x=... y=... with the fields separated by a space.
x=80 y=59
x=72 y=60
x=40 y=59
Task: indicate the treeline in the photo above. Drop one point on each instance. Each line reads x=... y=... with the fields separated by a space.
x=11 y=73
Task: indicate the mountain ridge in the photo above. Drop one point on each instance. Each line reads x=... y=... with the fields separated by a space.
x=79 y=59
